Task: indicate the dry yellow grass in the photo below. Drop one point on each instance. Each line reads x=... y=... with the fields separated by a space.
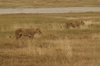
x=47 y=3
x=56 y=46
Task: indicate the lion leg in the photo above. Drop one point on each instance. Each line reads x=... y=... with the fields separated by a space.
x=68 y=26
x=78 y=26
x=30 y=37
x=18 y=36
x=73 y=26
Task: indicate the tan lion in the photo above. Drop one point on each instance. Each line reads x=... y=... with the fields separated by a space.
x=26 y=32
x=74 y=24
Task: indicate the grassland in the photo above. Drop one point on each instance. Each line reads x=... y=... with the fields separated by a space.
x=56 y=46
x=48 y=3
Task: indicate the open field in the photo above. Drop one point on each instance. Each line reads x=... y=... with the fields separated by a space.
x=56 y=46
x=47 y=3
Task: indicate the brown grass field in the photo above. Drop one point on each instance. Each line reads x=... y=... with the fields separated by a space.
x=56 y=46
x=48 y=3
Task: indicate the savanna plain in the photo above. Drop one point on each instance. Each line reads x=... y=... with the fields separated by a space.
x=48 y=3
x=56 y=46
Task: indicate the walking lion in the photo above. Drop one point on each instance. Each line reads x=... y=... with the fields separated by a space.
x=26 y=32
x=74 y=24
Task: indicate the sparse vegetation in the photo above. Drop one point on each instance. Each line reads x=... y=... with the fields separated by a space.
x=57 y=46
x=48 y=3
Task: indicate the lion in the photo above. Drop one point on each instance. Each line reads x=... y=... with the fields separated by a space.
x=26 y=32
x=74 y=24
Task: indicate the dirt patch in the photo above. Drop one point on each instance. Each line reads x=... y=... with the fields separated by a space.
x=21 y=9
